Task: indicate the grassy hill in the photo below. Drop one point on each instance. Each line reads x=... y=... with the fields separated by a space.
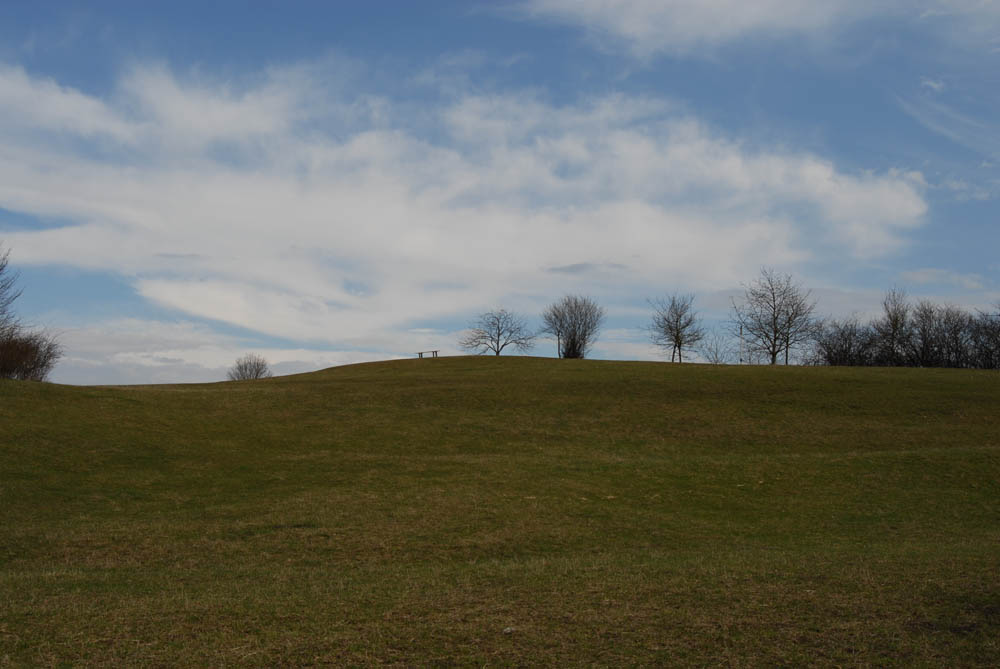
x=505 y=511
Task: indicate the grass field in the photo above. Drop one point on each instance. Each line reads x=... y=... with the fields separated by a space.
x=511 y=511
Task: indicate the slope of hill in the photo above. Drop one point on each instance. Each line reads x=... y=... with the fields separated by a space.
x=504 y=511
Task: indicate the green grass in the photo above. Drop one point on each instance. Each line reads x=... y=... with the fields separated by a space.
x=409 y=512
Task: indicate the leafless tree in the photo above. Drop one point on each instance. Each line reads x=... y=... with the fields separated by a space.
x=496 y=330
x=250 y=366
x=675 y=325
x=955 y=333
x=924 y=334
x=717 y=348
x=24 y=354
x=846 y=342
x=776 y=314
x=8 y=289
x=924 y=341
x=985 y=339
x=575 y=322
x=940 y=336
x=893 y=330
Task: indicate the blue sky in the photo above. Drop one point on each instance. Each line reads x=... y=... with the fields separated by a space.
x=326 y=183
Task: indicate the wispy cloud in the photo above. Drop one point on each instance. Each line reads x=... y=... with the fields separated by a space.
x=694 y=27
x=935 y=85
x=42 y=104
x=129 y=350
x=934 y=276
x=965 y=191
x=977 y=134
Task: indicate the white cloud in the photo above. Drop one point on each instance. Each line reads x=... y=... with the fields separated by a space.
x=936 y=276
x=625 y=344
x=128 y=350
x=201 y=112
x=682 y=27
x=345 y=227
x=42 y=104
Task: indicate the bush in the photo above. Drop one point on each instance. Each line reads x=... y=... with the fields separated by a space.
x=249 y=367
x=575 y=322
x=27 y=356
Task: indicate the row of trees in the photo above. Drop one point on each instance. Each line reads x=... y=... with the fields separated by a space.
x=775 y=316
x=775 y=320
x=923 y=334
x=25 y=354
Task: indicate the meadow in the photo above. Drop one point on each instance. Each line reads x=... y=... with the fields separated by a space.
x=505 y=512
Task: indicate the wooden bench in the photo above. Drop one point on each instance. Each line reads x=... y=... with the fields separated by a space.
x=420 y=354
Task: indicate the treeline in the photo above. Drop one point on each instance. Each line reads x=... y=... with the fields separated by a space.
x=921 y=334
x=773 y=322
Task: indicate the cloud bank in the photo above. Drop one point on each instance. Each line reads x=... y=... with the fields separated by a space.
x=296 y=204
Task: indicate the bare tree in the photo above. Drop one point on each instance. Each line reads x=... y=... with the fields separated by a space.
x=575 y=322
x=250 y=366
x=940 y=336
x=846 y=342
x=925 y=345
x=675 y=325
x=776 y=314
x=717 y=348
x=25 y=355
x=8 y=289
x=985 y=339
x=955 y=327
x=893 y=331
x=496 y=330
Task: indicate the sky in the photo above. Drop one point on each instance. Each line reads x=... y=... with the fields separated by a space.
x=333 y=182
